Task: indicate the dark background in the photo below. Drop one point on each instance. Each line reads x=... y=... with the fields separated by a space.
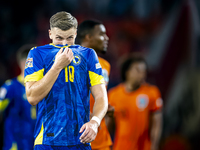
x=165 y=32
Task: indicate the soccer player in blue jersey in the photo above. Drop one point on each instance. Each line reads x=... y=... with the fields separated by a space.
x=92 y=33
x=59 y=77
x=18 y=115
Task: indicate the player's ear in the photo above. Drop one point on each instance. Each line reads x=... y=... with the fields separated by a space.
x=50 y=34
x=75 y=34
x=88 y=37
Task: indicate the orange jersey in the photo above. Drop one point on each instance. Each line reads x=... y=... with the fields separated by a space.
x=131 y=114
x=103 y=138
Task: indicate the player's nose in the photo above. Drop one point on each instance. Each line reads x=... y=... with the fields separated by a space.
x=106 y=37
x=64 y=42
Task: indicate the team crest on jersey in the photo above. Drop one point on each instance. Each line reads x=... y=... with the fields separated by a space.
x=142 y=101
x=77 y=59
x=29 y=62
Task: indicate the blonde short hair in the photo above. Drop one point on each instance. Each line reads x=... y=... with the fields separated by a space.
x=63 y=20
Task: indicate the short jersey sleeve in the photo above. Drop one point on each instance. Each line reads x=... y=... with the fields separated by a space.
x=34 y=66
x=105 y=69
x=94 y=69
x=156 y=101
x=6 y=95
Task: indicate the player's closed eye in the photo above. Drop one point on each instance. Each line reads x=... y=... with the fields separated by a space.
x=102 y=33
x=59 y=38
x=69 y=38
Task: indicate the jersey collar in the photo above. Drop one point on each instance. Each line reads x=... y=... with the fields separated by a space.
x=59 y=45
x=64 y=46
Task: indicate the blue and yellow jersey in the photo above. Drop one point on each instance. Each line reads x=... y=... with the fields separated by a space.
x=19 y=116
x=61 y=114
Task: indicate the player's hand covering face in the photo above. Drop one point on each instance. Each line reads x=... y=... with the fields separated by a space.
x=61 y=37
x=63 y=58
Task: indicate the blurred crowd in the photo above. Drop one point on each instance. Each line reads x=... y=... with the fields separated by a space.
x=165 y=32
x=130 y=25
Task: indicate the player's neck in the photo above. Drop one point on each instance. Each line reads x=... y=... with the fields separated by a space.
x=85 y=44
x=129 y=87
x=22 y=74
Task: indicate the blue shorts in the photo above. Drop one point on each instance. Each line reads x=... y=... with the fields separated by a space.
x=74 y=147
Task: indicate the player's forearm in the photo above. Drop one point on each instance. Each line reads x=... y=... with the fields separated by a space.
x=38 y=90
x=100 y=107
x=155 y=131
x=101 y=100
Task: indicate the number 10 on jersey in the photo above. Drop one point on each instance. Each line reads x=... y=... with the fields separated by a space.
x=69 y=74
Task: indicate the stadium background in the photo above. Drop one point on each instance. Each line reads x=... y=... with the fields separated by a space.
x=166 y=32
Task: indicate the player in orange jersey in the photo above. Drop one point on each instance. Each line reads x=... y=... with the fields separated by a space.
x=137 y=116
x=92 y=34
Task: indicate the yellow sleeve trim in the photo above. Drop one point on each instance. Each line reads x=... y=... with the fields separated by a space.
x=36 y=76
x=39 y=138
x=3 y=104
x=95 y=78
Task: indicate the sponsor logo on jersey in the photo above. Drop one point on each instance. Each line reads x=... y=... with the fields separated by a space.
x=142 y=101
x=77 y=59
x=98 y=65
x=29 y=62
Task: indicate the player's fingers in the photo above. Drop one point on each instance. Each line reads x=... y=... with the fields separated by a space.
x=66 y=50
x=70 y=55
x=84 y=134
x=92 y=138
x=60 y=51
x=87 y=135
x=69 y=51
x=88 y=138
x=82 y=128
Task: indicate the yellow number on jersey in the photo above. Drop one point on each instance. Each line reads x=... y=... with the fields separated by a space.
x=71 y=74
